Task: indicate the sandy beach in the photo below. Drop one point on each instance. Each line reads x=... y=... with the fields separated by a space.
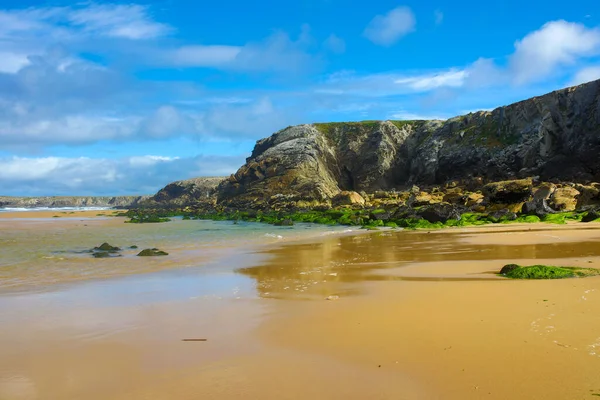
x=418 y=315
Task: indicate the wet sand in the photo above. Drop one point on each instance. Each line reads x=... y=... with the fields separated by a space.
x=58 y=214
x=419 y=316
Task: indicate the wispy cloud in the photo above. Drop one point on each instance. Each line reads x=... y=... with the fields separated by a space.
x=129 y=21
x=451 y=78
x=385 y=30
x=585 y=75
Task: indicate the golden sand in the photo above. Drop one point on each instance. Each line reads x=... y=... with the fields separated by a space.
x=419 y=316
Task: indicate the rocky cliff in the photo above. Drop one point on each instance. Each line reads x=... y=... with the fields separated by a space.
x=71 y=201
x=555 y=137
x=182 y=193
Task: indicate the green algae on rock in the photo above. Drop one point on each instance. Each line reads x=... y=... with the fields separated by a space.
x=515 y=271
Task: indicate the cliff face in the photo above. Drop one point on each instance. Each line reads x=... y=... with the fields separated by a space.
x=71 y=201
x=555 y=137
x=185 y=192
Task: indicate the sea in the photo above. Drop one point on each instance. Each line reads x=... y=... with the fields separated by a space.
x=40 y=252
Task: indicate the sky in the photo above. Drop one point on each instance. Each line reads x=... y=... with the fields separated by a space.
x=105 y=98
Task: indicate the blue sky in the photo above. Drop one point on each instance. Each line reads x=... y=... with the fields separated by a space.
x=122 y=98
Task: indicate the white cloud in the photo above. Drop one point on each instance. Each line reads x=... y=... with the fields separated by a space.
x=586 y=75
x=335 y=44
x=389 y=84
x=385 y=30
x=21 y=176
x=129 y=21
x=451 y=78
x=558 y=43
x=12 y=62
x=439 y=17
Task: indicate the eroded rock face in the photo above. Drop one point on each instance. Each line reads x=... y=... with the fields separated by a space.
x=555 y=137
x=182 y=193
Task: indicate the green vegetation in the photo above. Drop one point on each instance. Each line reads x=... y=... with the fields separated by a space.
x=402 y=124
x=371 y=218
x=145 y=217
x=514 y=271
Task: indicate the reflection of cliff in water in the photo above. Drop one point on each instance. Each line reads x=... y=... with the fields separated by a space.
x=334 y=265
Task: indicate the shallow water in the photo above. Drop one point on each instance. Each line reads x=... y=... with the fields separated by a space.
x=44 y=251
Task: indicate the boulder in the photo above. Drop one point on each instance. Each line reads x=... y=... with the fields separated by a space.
x=508 y=268
x=439 y=213
x=107 y=247
x=539 y=204
x=347 y=198
x=589 y=195
x=564 y=199
x=591 y=216
x=509 y=192
x=474 y=199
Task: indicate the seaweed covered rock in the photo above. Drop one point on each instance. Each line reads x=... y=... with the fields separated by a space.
x=590 y=216
x=508 y=268
x=285 y=222
x=105 y=250
x=514 y=271
x=152 y=253
x=107 y=247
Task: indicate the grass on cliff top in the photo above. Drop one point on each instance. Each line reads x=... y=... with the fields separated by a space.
x=332 y=130
x=549 y=272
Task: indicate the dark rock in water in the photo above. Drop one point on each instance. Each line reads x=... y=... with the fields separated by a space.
x=284 y=222
x=104 y=254
x=152 y=253
x=591 y=216
x=133 y=247
x=508 y=268
x=439 y=213
x=107 y=247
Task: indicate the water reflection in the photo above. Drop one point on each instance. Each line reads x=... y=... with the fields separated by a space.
x=335 y=265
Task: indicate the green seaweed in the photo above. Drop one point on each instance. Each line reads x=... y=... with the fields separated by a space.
x=548 y=272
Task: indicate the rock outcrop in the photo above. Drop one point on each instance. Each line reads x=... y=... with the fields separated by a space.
x=555 y=137
x=183 y=193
